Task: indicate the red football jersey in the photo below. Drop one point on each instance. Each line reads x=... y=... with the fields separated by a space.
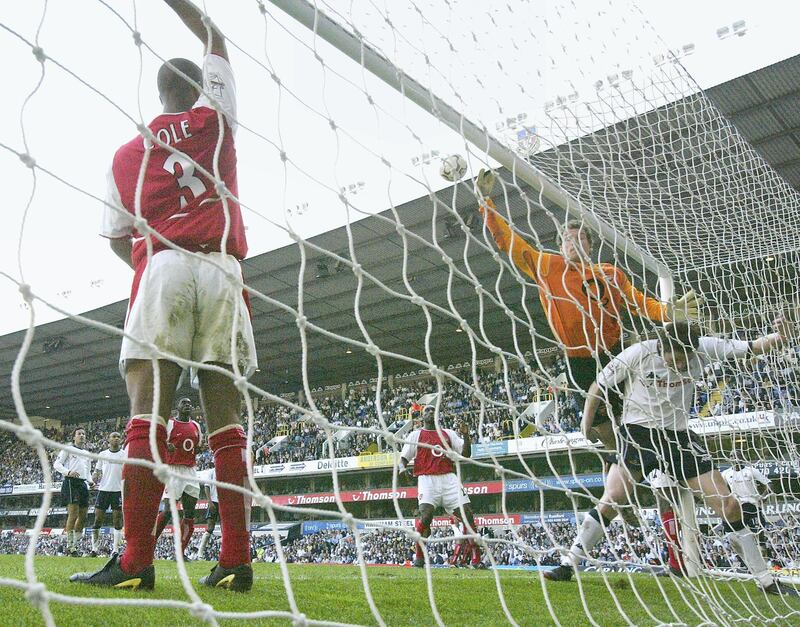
x=432 y=461
x=178 y=201
x=185 y=437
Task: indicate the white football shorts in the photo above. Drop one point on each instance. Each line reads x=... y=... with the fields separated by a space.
x=443 y=491
x=183 y=480
x=186 y=307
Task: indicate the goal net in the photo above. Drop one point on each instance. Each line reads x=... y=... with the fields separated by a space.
x=346 y=111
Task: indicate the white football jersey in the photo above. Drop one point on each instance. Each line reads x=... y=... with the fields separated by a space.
x=743 y=483
x=111 y=481
x=655 y=396
x=67 y=462
x=209 y=474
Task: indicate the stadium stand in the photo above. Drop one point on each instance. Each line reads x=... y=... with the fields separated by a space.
x=282 y=436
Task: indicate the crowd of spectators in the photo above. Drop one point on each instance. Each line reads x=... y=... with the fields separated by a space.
x=527 y=545
x=765 y=382
x=284 y=435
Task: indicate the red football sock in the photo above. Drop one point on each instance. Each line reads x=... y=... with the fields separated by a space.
x=424 y=531
x=476 y=554
x=187 y=529
x=229 y=445
x=672 y=532
x=457 y=549
x=161 y=522
x=141 y=495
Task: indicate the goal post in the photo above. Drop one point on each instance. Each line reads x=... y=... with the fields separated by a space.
x=355 y=47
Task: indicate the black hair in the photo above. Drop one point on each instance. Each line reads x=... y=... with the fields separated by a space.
x=171 y=82
x=678 y=337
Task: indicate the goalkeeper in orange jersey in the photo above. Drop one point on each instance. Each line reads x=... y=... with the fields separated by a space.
x=582 y=300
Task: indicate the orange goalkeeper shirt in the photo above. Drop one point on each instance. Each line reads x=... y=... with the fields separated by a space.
x=582 y=302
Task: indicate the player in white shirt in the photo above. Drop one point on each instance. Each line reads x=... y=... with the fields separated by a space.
x=212 y=512
x=108 y=472
x=76 y=470
x=657 y=379
x=750 y=486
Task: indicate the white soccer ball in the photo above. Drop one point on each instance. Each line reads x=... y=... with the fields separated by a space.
x=453 y=168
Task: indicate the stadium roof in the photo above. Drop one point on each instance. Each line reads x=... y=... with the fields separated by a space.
x=72 y=368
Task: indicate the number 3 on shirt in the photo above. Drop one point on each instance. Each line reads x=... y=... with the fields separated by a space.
x=185 y=175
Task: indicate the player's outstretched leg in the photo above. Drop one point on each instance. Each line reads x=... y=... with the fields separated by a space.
x=187 y=520
x=472 y=551
x=672 y=533
x=142 y=493
x=141 y=489
x=98 y=521
x=220 y=399
x=234 y=571
x=590 y=533
x=423 y=527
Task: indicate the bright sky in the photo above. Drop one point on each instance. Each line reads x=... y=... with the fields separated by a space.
x=73 y=132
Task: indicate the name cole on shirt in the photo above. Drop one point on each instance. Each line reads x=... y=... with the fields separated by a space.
x=172 y=134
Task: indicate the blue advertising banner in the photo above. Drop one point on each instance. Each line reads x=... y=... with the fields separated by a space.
x=593 y=480
x=497 y=448
x=315 y=526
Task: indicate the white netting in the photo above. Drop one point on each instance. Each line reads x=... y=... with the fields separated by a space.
x=624 y=139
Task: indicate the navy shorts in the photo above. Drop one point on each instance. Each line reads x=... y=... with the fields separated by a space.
x=106 y=500
x=679 y=454
x=74 y=491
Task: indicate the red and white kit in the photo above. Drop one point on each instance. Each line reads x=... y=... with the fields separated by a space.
x=437 y=482
x=185 y=437
x=184 y=205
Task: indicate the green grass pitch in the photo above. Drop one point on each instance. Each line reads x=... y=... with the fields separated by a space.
x=463 y=597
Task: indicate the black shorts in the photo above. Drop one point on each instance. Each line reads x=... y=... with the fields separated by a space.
x=74 y=491
x=582 y=372
x=212 y=513
x=680 y=454
x=108 y=499
x=753 y=517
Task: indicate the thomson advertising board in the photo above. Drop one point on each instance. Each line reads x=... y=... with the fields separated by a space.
x=377 y=494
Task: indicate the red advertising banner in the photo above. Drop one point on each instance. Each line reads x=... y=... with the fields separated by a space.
x=377 y=494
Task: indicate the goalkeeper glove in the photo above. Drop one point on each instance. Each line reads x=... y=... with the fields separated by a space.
x=485 y=182
x=685 y=308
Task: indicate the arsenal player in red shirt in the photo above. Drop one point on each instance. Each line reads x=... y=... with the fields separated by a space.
x=177 y=180
x=183 y=441
x=437 y=483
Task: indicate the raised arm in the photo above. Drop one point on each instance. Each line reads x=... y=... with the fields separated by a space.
x=529 y=260
x=767 y=343
x=192 y=17
x=682 y=309
x=640 y=304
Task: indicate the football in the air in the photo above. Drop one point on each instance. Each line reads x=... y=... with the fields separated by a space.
x=453 y=168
